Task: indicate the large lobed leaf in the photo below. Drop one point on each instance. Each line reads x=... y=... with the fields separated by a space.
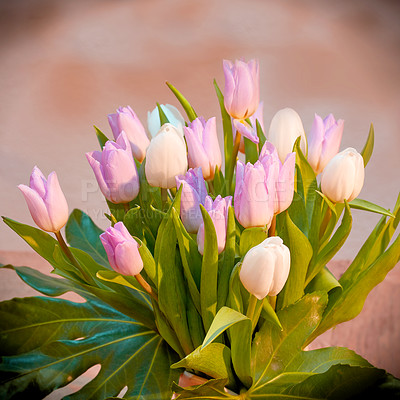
x=46 y=343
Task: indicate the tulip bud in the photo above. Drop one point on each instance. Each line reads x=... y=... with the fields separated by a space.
x=265 y=268
x=173 y=115
x=242 y=88
x=343 y=177
x=218 y=211
x=193 y=194
x=254 y=194
x=126 y=120
x=284 y=184
x=122 y=250
x=115 y=170
x=324 y=141
x=166 y=158
x=203 y=147
x=285 y=128
x=46 y=201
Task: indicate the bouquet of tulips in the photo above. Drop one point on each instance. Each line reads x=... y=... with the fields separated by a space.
x=208 y=284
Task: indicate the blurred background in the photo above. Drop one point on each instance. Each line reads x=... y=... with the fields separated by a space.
x=65 y=65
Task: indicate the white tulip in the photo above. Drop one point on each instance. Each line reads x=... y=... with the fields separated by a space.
x=265 y=268
x=166 y=158
x=173 y=115
x=285 y=128
x=343 y=177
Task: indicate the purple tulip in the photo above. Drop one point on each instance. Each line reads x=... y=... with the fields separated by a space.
x=218 y=211
x=284 y=184
x=255 y=194
x=115 y=170
x=242 y=88
x=125 y=120
x=194 y=193
x=46 y=201
x=203 y=147
x=324 y=141
x=122 y=250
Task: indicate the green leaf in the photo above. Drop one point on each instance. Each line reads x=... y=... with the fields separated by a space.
x=191 y=259
x=163 y=117
x=323 y=281
x=185 y=104
x=251 y=151
x=209 y=271
x=300 y=256
x=172 y=292
x=368 y=206
x=82 y=233
x=50 y=342
x=149 y=265
x=101 y=137
x=212 y=389
x=366 y=152
x=347 y=304
x=332 y=247
x=320 y=360
x=251 y=237
x=268 y=313
x=228 y=261
x=297 y=213
x=213 y=360
x=235 y=300
x=240 y=334
x=260 y=135
x=227 y=126
x=273 y=348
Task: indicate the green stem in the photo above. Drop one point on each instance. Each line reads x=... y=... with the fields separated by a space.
x=325 y=222
x=233 y=160
x=146 y=286
x=164 y=197
x=70 y=256
x=272 y=228
x=272 y=301
x=251 y=307
x=211 y=186
x=126 y=207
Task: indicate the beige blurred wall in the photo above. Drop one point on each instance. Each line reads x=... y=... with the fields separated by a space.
x=65 y=65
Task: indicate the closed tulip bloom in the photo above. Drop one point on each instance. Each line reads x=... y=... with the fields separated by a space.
x=127 y=121
x=115 y=170
x=166 y=158
x=285 y=128
x=218 y=211
x=193 y=194
x=242 y=88
x=173 y=115
x=265 y=268
x=122 y=250
x=203 y=147
x=324 y=141
x=46 y=201
x=343 y=177
x=284 y=184
x=254 y=194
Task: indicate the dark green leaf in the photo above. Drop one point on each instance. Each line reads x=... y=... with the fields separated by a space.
x=212 y=389
x=260 y=135
x=50 y=342
x=82 y=233
x=251 y=150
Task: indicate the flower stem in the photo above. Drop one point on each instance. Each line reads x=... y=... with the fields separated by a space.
x=325 y=222
x=70 y=256
x=146 y=286
x=164 y=197
x=272 y=228
x=251 y=307
x=126 y=207
x=233 y=160
x=272 y=301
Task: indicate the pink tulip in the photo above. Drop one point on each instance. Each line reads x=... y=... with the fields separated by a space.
x=203 y=147
x=218 y=211
x=324 y=141
x=46 y=201
x=242 y=88
x=127 y=121
x=122 y=250
x=194 y=193
x=284 y=184
x=255 y=194
x=115 y=170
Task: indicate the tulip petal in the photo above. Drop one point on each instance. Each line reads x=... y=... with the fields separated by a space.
x=37 y=208
x=92 y=157
x=196 y=153
x=246 y=130
x=38 y=181
x=128 y=258
x=104 y=237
